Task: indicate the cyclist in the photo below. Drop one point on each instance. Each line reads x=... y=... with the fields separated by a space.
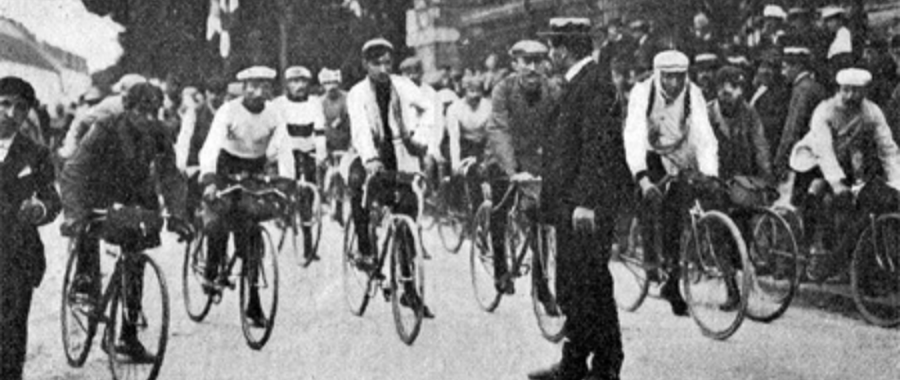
x=522 y=105
x=433 y=163
x=851 y=147
x=337 y=124
x=305 y=123
x=120 y=160
x=390 y=122
x=667 y=131
x=245 y=132
x=29 y=200
x=467 y=120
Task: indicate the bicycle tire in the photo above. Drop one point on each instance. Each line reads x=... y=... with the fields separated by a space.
x=550 y=318
x=701 y=264
x=450 y=230
x=407 y=292
x=774 y=253
x=356 y=281
x=74 y=320
x=627 y=267
x=193 y=272
x=875 y=272
x=481 y=261
x=267 y=279
x=127 y=369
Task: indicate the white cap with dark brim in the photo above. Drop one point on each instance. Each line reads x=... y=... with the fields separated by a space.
x=829 y=12
x=257 y=72
x=671 y=61
x=774 y=11
x=297 y=72
x=127 y=81
x=853 y=77
x=377 y=42
x=327 y=75
x=528 y=47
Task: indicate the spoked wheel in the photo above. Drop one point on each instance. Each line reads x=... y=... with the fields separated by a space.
x=774 y=254
x=450 y=229
x=259 y=289
x=139 y=309
x=627 y=267
x=408 y=280
x=78 y=315
x=715 y=276
x=356 y=279
x=481 y=260
x=875 y=272
x=197 y=302
x=543 y=285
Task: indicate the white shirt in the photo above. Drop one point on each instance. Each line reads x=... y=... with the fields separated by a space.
x=248 y=135
x=305 y=122
x=843 y=43
x=576 y=68
x=5 y=144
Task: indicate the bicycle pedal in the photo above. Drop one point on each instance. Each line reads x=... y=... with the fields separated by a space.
x=387 y=294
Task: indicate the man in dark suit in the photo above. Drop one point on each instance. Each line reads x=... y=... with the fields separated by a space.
x=27 y=199
x=586 y=183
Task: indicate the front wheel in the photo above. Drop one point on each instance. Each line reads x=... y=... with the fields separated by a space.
x=77 y=313
x=875 y=272
x=716 y=275
x=628 y=269
x=197 y=301
x=543 y=284
x=259 y=289
x=776 y=264
x=407 y=280
x=140 y=308
x=481 y=261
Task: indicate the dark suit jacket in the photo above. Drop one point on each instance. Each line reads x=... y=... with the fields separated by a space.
x=585 y=160
x=26 y=172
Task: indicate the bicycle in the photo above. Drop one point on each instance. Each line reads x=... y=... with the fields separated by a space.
x=522 y=235
x=454 y=216
x=708 y=243
x=306 y=194
x=401 y=242
x=334 y=185
x=200 y=293
x=81 y=312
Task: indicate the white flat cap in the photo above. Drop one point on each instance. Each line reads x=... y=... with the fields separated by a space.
x=297 y=72
x=832 y=11
x=774 y=11
x=375 y=43
x=327 y=75
x=127 y=81
x=256 y=72
x=671 y=61
x=853 y=77
x=528 y=47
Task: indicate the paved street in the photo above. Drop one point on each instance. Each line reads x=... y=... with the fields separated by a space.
x=315 y=336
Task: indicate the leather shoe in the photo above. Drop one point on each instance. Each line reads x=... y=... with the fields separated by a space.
x=671 y=293
x=551 y=373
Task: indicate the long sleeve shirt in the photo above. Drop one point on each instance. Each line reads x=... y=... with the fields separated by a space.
x=683 y=143
x=305 y=123
x=248 y=135
x=743 y=148
x=839 y=140
x=465 y=122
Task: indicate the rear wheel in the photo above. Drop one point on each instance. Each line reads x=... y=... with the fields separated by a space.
x=407 y=280
x=875 y=272
x=627 y=267
x=543 y=284
x=481 y=260
x=450 y=229
x=150 y=321
x=715 y=275
x=197 y=301
x=259 y=289
x=774 y=254
x=78 y=313
x=356 y=279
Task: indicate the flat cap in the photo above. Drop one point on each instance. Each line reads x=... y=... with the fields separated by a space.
x=377 y=42
x=853 y=77
x=796 y=53
x=731 y=74
x=568 y=26
x=528 y=47
x=127 y=81
x=671 y=61
x=411 y=63
x=832 y=11
x=327 y=75
x=774 y=11
x=297 y=72
x=256 y=72
x=706 y=60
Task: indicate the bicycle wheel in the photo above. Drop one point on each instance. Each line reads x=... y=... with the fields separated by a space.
x=77 y=315
x=316 y=223
x=774 y=254
x=259 y=275
x=714 y=259
x=875 y=272
x=197 y=302
x=356 y=279
x=150 y=322
x=407 y=280
x=450 y=230
x=628 y=271
x=543 y=284
x=481 y=260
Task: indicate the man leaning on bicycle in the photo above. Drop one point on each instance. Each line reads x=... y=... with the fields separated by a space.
x=845 y=168
x=390 y=122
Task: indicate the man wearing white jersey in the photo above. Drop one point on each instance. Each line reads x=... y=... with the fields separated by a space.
x=305 y=122
x=245 y=132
